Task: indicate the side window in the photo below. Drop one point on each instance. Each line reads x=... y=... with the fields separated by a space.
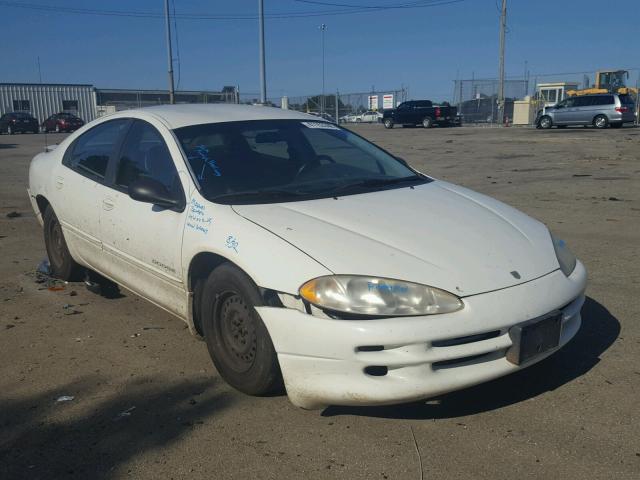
x=91 y=152
x=581 y=101
x=145 y=154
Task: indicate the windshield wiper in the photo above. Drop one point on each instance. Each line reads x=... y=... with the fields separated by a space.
x=255 y=195
x=376 y=182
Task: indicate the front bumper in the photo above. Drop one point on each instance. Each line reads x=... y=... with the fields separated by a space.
x=323 y=360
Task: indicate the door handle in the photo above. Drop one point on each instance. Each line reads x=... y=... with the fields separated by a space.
x=59 y=182
x=107 y=204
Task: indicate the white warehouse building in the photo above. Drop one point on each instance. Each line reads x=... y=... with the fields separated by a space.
x=44 y=100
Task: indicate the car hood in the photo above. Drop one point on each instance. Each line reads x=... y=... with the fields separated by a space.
x=436 y=234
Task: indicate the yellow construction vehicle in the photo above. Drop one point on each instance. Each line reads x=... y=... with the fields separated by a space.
x=607 y=81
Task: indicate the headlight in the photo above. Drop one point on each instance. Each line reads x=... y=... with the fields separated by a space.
x=360 y=295
x=566 y=259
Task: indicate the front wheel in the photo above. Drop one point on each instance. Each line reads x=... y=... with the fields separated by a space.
x=545 y=122
x=427 y=122
x=62 y=264
x=388 y=123
x=600 y=121
x=237 y=339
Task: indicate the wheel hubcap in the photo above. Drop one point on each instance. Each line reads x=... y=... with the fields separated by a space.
x=56 y=244
x=237 y=331
x=600 y=122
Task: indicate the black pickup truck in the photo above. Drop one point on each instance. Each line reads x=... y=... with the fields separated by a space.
x=421 y=112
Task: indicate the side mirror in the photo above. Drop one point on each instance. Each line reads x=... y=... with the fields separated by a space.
x=148 y=190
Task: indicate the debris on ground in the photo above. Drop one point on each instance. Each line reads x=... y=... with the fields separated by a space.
x=102 y=286
x=48 y=282
x=65 y=398
x=69 y=310
x=73 y=293
x=134 y=335
x=9 y=326
x=126 y=413
x=614 y=199
x=14 y=214
x=44 y=267
x=153 y=328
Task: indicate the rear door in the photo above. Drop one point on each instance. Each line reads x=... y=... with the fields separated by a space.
x=79 y=187
x=143 y=242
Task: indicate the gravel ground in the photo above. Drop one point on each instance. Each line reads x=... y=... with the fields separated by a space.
x=147 y=402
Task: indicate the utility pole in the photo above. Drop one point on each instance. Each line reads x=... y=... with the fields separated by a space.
x=263 y=70
x=169 y=53
x=322 y=28
x=503 y=26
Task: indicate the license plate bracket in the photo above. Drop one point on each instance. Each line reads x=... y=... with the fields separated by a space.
x=534 y=337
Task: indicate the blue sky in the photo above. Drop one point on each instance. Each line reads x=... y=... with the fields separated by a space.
x=422 y=48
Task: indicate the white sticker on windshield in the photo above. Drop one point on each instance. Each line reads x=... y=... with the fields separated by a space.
x=327 y=125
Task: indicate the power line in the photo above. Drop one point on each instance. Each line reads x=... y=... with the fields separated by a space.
x=206 y=16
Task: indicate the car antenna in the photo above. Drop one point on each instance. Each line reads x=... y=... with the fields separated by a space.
x=46 y=146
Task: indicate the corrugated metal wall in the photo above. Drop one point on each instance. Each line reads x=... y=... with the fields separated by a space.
x=45 y=100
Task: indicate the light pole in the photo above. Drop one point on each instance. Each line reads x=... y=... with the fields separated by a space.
x=263 y=74
x=322 y=28
x=169 y=53
x=503 y=26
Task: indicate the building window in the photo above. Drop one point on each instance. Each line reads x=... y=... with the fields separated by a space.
x=21 y=106
x=70 y=105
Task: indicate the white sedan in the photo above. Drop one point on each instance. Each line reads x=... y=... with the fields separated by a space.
x=305 y=256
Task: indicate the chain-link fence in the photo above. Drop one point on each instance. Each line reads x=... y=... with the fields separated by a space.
x=121 y=99
x=477 y=99
x=338 y=107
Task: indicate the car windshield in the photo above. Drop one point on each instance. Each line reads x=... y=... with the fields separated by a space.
x=23 y=116
x=267 y=161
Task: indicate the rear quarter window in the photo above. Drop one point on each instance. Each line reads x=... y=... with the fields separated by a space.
x=626 y=99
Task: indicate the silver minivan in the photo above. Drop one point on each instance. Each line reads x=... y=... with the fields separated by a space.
x=601 y=111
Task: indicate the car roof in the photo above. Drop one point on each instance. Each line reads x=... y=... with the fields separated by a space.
x=177 y=116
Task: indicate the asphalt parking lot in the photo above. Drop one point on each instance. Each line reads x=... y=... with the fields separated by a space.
x=148 y=404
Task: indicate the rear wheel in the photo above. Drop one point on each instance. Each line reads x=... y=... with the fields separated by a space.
x=63 y=266
x=237 y=339
x=600 y=121
x=388 y=123
x=427 y=122
x=545 y=122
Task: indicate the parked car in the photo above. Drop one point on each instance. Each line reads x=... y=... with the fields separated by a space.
x=291 y=245
x=370 y=116
x=420 y=112
x=62 y=122
x=15 y=122
x=348 y=118
x=601 y=111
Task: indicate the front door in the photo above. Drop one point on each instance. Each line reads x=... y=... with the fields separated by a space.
x=143 y=241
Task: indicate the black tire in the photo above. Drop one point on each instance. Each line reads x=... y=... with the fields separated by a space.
x=237 y=339
x=62 y=264
x=545 y=122
x=427 y=122
x=616 y=125
x=10 y=130
x=600 y=121
x=388 y=123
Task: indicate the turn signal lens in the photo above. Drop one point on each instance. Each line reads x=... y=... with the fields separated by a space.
x=361 y=295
